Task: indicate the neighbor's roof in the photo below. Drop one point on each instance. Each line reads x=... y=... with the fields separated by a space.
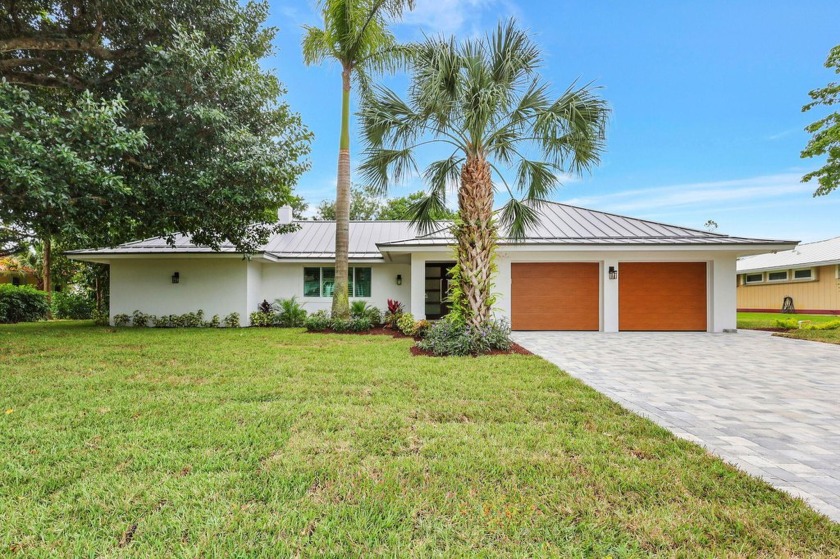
x=820 y=253
x=559 y=224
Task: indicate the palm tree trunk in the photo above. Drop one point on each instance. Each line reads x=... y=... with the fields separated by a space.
x=340 y=302
x=46 y=271
x=475 y=238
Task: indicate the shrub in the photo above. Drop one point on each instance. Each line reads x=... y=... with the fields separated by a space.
x=100 y=318
x=361 y=309
x=317 y=321
x=392 y=315
x=215 y=322
x=122 y=320
x=141 y=319
x=830 y=325
x=360 y=324
x=191 y=319
x=161 y=322
x=261 y=319
x=342 y=324
x=405 y=324
x=421 y=327
x=453 y=337
x=291 y=314
x=22 y=304
x=232 y=320
x=75 y=306
x=787 y=323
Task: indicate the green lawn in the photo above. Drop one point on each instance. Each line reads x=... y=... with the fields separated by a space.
x=752 y=320
x=273 y=443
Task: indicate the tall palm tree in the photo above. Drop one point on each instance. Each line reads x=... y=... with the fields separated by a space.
x=354 y=34
x=484 y=100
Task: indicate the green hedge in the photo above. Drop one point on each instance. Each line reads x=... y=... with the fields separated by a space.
x=22 y=304
x=75 y=306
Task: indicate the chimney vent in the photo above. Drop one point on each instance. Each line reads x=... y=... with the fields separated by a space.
x=284 y=215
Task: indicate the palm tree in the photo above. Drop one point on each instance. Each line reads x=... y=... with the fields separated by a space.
x=355 y=35
x=484 y=100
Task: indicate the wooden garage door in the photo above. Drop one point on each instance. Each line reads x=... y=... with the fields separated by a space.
x=555 y=296
x=662 y=296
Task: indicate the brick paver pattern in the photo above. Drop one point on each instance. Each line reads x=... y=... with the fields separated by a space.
x=766 y=404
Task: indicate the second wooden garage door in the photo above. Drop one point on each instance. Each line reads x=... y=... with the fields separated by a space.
x=662 y=296
x=555 y=296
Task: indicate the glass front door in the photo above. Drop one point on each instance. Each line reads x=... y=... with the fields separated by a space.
x=437 y=289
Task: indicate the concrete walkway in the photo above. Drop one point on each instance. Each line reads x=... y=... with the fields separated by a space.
x=768 y=405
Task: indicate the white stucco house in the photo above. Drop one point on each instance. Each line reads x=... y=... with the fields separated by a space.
x=578 y=269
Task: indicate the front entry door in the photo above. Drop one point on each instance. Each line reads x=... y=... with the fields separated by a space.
x=437 y=289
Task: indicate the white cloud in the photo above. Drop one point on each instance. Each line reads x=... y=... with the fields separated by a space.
x=718 y=193
x=458 y=16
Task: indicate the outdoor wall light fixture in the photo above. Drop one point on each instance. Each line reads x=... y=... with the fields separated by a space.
x=176 y=278
x=399 y=279
x=613 y=273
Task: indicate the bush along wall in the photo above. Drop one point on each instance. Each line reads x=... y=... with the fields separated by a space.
x=139 y=319
x=22 y=304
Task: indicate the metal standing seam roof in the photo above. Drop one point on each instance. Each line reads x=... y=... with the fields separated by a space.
x=559 y=224
x=563 y=224
x=820 y=253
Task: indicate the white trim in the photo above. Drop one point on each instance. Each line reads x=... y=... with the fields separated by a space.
x=321 y=295
x=748 y=282
x=811 y=277
x=784 y=280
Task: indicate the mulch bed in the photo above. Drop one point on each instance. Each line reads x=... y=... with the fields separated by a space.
x=515 y=349
x=372 y=332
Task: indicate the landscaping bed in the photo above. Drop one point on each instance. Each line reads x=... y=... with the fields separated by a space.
x=272 y=442
x=515 y=349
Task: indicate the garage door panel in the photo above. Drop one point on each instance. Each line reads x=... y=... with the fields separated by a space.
x=555 y=296
x=661 y=296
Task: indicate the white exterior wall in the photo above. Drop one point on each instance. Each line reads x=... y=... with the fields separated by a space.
x=254 y=294
x=214 y=285
x=224 y=285
x=720 y=287
x=284 y=280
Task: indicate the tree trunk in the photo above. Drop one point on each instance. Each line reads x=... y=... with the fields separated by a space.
x=475 y=239
x=47 y=264
x=340 y=302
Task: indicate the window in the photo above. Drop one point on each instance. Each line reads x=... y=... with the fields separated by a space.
x=777 y=276
x=753 y=278
x=320 y=282
x=806 y=274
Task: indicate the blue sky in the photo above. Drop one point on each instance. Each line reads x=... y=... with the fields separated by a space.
x=706 y=99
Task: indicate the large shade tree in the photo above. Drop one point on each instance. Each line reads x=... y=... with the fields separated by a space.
x=121 y=120
x=825 y=139
x=484 y=101
x=355 y=34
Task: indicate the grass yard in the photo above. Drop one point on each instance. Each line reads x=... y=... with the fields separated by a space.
x=273 y=443
x=753 y=320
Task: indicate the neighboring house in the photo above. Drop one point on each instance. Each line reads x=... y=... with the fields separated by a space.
x=15 y=272
x=809 y=274
x=578 y=269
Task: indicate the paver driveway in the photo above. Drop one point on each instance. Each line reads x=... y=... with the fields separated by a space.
x=769 y=405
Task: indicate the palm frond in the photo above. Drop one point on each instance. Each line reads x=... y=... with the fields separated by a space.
x=517 y=217
x=536 y=179
x=316 y=45
x=383 y=167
